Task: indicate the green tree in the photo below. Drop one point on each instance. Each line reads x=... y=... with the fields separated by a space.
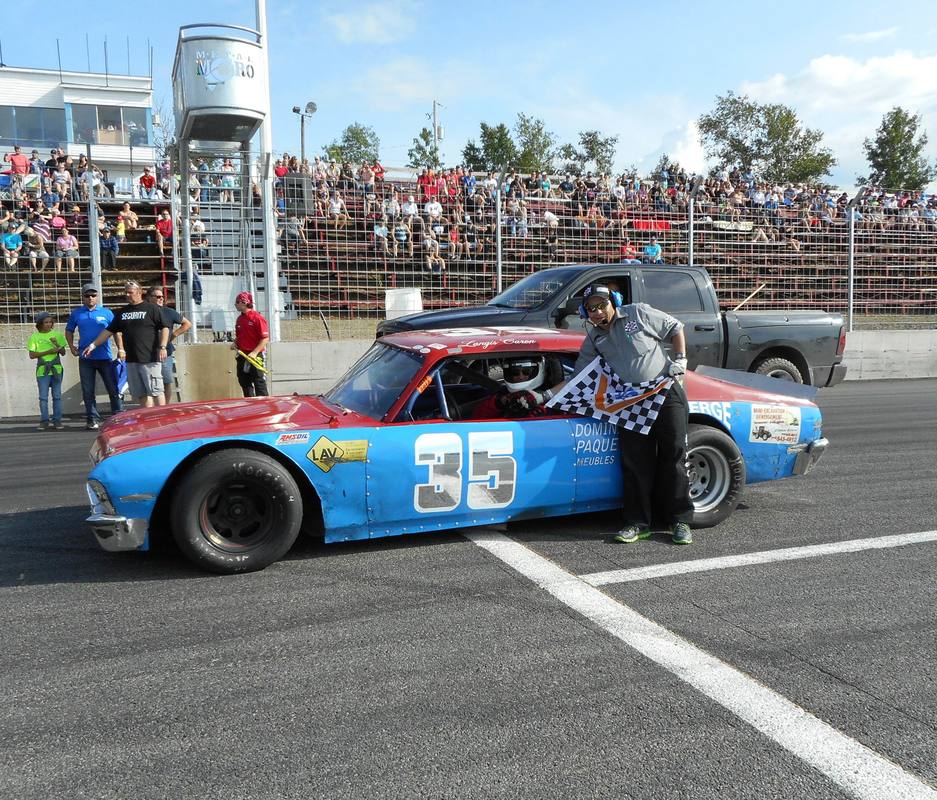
x=766 y=138
x=358 y=143
x=594 y=151
x=424 y=154
x=498 y=146
x=896 y=154
x=473 y=158
x=535 y=144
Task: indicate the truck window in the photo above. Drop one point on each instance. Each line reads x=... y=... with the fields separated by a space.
x=672 y=291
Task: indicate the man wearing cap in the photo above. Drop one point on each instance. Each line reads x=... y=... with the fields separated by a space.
x=631 y=340
x=144 y=332
x=157 y=296
x=47 y=347
x=251 y=336
x=89 y=320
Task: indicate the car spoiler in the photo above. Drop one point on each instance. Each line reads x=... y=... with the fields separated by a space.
x=763 y=382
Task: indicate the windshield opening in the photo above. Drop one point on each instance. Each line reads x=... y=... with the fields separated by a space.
x=534 y=290
x=372 y=385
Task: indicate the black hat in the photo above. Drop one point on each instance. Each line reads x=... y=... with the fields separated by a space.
x=597 y=289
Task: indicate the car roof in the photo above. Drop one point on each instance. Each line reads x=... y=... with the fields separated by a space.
x=487 y=341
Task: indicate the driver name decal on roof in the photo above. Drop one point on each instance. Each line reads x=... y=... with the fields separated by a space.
x=325 y=453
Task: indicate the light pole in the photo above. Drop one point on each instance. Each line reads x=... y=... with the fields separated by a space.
x=308 y=111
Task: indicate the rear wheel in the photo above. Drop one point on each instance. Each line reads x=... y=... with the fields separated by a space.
x=717 y=475
x=779 y=368
x=237 y=511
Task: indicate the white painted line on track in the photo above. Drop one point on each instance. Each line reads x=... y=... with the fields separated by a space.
x=860 y=771
x=749 y=559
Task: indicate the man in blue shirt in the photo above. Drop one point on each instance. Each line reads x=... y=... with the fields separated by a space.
x=89 y=320
x=652 y=252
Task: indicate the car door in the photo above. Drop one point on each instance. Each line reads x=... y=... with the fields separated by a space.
x=678 y=294
x=437 y=473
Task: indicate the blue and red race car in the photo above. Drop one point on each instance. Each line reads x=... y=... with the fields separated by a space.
x=396 y=447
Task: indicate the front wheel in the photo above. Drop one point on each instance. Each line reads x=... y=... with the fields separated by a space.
x=717 y=475
x=237 y=510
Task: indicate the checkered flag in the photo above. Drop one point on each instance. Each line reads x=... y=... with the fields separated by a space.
x=598 y=392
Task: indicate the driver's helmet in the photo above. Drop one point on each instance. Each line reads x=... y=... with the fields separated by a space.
x=524 y=372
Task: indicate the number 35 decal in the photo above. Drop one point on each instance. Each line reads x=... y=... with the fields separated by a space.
x=491 y=466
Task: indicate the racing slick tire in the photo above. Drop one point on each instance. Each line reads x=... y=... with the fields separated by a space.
x=237 y=510
x=717 y=474
x=779 y=368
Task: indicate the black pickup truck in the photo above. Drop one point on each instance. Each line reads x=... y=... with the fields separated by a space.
x=802 y=346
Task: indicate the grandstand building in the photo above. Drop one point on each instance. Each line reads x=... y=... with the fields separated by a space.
x=45 y=109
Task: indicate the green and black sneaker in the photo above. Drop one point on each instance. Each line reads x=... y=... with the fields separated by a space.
x=682 y=534
x=630 y=534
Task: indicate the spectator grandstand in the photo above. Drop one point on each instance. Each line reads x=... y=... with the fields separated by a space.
x=347 y=233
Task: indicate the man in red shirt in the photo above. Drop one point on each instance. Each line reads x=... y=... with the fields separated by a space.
x=251 y=336
x=19 y=170
x=147 y=185
x=164 y=230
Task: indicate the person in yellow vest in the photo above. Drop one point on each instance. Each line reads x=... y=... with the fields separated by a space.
x=47 y=346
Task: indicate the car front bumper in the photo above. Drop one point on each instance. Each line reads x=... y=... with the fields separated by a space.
x=808 y=457
x=116 y=533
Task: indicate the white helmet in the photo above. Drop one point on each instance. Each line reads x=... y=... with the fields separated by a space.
x=524 y=372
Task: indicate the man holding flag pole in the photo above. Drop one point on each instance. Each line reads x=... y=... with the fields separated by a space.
x=624 y=376
x=251 y=336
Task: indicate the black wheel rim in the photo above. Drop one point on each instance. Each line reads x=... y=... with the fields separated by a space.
x=237 y=516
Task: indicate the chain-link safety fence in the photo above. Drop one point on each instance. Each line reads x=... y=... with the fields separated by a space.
x=353 y=244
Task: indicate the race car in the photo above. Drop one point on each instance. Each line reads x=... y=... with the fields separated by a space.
x=404 y=443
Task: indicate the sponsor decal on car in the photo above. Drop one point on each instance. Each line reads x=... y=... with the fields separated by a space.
x=777 y=424
x=325 y=453
x=292 y=438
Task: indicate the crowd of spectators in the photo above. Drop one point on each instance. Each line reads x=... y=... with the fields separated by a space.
x=450 y=214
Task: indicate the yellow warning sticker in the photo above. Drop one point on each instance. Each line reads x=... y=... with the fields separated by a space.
x=325 y=453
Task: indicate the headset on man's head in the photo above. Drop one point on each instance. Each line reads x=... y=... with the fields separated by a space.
x=598 y=288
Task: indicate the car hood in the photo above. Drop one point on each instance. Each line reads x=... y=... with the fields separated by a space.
x=471 y=316
x=146 y=427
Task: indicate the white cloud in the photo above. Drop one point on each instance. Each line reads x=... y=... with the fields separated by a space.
x=870 y=36
x=375 y=23
x=688 y=151
x=840 y=82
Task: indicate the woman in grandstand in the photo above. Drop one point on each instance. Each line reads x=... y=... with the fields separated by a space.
x=455 y=240
x=228 y=181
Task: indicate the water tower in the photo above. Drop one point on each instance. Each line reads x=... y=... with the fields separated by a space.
x=221 y=99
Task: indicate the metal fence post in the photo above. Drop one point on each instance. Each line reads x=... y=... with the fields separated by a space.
x=691 y=228
x=94 y=236
x=851 y=210
x=498 y=254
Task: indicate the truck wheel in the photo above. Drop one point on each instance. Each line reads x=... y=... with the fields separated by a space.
x=779 y=368
x=717 y=475
x=237 y=510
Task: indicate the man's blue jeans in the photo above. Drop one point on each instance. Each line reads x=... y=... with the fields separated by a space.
x=88 y=369
x=47 y=383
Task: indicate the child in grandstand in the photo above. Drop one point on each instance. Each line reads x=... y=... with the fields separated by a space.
x=523 y=376
x=12 y=245
x=434 y=261
x=403 y=237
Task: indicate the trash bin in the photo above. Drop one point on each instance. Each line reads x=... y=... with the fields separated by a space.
x=400 y=302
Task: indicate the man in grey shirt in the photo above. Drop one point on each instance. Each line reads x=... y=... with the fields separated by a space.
x=631 y=340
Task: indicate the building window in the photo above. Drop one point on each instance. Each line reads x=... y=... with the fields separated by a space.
x=109 y=125
x=32 y=127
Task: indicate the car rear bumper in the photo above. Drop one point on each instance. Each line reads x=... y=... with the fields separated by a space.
x=116 y=533
x=828 y=376
x=808 y=457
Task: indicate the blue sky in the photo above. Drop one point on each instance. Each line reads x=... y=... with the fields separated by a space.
x=642 y=71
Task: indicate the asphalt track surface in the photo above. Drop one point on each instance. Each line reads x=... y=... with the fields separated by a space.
x=430 y=667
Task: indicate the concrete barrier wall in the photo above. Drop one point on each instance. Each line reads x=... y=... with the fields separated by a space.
x=207 y=371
